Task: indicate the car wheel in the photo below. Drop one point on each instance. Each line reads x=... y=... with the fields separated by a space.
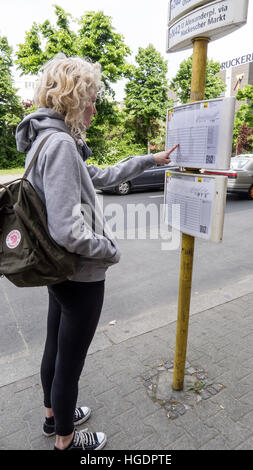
x=123 y=188
x=250 y=193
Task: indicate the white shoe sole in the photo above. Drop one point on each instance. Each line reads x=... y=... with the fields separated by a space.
x=102 y=444
x=82 y=420
x=48 y=435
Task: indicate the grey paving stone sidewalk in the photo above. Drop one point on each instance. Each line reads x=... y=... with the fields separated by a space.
x=119 y=384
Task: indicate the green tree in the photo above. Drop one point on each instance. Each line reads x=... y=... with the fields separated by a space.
x=119 y=142
x=98 y=40
x=95 y=39
x=146 y=98
x=43 y=41
x=11 y=110
x=243 y=128
x=181 y=83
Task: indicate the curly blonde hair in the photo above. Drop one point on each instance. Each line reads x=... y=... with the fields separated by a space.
x=67 y=85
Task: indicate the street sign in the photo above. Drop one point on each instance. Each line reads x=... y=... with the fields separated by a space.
x=204 y=132
x=178 y=8
x=200 y=201
x=214 y=20
x=244 y=59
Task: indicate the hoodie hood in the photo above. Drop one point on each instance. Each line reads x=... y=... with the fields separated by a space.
x=41 y=120
x=44 y=119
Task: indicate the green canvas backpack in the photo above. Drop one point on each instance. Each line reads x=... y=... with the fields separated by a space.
x=29 y=256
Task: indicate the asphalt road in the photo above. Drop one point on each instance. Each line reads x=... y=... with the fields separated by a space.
x=148 y=276
x=145 y=279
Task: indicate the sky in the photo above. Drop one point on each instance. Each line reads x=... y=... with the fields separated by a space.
x=140 y=21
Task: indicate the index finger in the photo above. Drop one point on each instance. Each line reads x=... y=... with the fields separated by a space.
x=173 y=148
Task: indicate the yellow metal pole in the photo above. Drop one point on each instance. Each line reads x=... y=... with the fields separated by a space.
x=184 y=297
x=199 y=62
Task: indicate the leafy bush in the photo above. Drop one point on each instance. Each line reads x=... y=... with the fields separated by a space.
x=11 y=110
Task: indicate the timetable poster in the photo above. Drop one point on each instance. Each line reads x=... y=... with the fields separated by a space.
x=200 y=201
x=204 y=131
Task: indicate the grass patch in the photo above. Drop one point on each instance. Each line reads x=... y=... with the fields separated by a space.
x=12 y=171
x=198 y=385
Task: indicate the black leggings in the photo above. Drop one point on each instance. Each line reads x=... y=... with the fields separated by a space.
x=73 y=315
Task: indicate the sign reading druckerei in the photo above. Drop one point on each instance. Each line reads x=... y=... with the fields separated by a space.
x=214 y=20
x=178 y=8
x=244 y=59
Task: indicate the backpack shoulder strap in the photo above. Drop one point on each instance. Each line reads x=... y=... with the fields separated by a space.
x=34 y=158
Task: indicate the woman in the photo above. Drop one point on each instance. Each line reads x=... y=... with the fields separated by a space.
x=65 y=96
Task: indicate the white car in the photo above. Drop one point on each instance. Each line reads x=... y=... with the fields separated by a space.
x=240 y=174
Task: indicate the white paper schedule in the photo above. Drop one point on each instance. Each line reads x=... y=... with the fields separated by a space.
x=200 y=202
x=204 y=131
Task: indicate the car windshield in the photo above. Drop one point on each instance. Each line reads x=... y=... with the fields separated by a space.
x=238 y=163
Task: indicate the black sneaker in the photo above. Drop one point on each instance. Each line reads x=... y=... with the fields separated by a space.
x=80 y=416
x=84 y=440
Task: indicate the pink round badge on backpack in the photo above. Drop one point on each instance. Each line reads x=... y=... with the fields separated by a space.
x=13 y=239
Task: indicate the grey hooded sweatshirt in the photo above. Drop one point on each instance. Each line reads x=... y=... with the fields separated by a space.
x=66 y=185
